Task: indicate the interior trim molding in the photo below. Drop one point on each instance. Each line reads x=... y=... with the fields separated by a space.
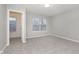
x=63 y=37
x=15 y=38
x=2 y=50
x=37 y=36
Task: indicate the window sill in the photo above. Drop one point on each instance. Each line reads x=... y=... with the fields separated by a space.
x=38 y=31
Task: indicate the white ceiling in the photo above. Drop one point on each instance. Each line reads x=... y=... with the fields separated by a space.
x=54 y=9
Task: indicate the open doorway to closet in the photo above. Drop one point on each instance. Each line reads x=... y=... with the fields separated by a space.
x=15 y=26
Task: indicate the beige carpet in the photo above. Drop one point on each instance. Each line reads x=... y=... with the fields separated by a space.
x=43 y=45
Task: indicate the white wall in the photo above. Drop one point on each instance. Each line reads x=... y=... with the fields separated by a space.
x=30 y=33
x=67 y=24
x=3 y=22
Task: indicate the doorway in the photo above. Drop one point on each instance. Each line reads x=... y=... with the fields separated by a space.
x=15 y=25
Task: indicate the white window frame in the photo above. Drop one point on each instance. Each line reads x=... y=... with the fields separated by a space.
x=41 y=18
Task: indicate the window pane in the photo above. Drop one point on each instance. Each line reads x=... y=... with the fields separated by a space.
x=36 y=24
x=12 y=24
x=43 y=25
x=35 y=27
x=39 y=24
x=44 y=21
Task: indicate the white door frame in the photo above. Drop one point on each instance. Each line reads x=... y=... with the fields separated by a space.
x=22 y=25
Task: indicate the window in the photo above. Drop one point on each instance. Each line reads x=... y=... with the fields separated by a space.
x=39 y=24
x=36 y=24
x=43 y=25
x=12 y=24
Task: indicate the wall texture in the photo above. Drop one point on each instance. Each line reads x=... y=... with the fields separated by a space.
x=67 y=24
x=3 y=22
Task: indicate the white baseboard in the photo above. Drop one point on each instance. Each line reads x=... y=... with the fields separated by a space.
x=67 y=38
x=2 y=50
x=7 y=44
x=38 y=36
x=24 y=41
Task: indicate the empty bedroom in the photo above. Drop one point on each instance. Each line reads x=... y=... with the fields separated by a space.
x=39 y=28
